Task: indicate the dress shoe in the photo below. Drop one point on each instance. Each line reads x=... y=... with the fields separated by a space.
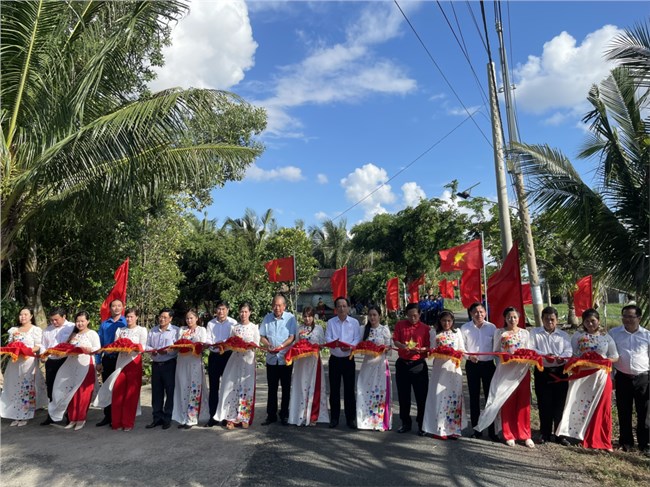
x=128 y=429
x=284 y=421
x=103 y=422
x=269 y=421
x=153 y=424
x=494 y=438
x=212 y=422
x=404 y=429
x=70 y=425
x=477 y=434
x=166 y=426
x=529 y=443
x=79 y=425
x=334 y=423
x=47 y=421
x=510 y=442
x=352 y=425
x=563 y=441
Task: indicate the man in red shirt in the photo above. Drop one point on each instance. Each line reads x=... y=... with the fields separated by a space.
x=411 y=337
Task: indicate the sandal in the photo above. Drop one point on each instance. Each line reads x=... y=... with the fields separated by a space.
x=230 y=425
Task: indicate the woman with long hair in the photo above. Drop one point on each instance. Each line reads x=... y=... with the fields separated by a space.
x=191 y=390
x=510 y=387
x=374 y=381
x=308 y=402
x=75 y=381
x=587 y=412
x=122 y=388
x=443 y=412
x=24 y=387
x=237 y=392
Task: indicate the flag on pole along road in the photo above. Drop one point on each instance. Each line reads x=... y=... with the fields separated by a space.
x=462 y=257
x=446 y=289
x=414 y=289
x=470 y=287
x=280 y=269
x=504 y=289
x=339 y=282
x=582 y=295
x=392 y=294
x=121 y=277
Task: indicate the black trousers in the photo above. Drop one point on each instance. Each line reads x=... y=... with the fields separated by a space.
x=342 y=368
x=278 y=375
x=163 y=375
x=109 y=361
x=479 y=373
x=551 y=396
x=411 y=374
x=216 y=366
x=632 y=391
x=52 y=366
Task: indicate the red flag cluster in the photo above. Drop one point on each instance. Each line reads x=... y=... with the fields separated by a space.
x=446 y=289
x=281 y=269
x=121 y=277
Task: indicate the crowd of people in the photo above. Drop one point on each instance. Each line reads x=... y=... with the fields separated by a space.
x=573 y=376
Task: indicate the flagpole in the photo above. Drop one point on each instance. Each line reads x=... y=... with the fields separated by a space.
x=295 y=283
x=484 y=274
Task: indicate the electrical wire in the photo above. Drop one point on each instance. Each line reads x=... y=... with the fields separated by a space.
x=480 y=34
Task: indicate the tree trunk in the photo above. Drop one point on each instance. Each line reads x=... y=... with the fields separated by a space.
x=32 y=285
x=572 y=319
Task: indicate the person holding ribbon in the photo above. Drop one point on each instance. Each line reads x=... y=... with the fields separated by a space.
x=121 y=390
x=75 y=381
x=308 y=403
x=190 y=390
x=510 y=387
x=374 y=381
x=443 y=412
x=237 y=394
x=587 y=413
x=24 y=387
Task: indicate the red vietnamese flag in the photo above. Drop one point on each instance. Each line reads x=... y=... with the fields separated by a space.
x=280 y=269
x=526 y=294
x=446 y=289
x=504 y=289
x=470 y=287
x=414 y=289
x=339 y=282
x=121 y=277
x=463 y=257
x=392 y=294
x=582 y=297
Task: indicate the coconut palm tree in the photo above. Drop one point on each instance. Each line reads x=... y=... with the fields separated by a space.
x=331 y=244
x=612 y=218
x=79 y=132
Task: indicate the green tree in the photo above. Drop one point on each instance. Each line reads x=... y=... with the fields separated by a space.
x=611 y=219
x=331 y=244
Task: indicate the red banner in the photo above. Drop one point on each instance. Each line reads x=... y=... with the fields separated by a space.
x=470 y=287
x=121 y=277
x=446 y=288
x=280 y=269
x=414 y=289
x=504 y=289
x=526 y=293
x=463 y=257
x=392 y=294
x=582 y=296
x=339 y=282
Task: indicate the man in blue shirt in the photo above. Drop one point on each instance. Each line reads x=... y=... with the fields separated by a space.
x=277 y=331
x=106 y=361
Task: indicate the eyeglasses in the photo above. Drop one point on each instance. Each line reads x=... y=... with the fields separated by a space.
x=630 y=317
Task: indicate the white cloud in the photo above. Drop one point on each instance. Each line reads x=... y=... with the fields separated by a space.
x=342 y=72
x=322 y=179
x=556 y=119
x=461 y=112
x=321 y=215
x=561 y=77
x=212 y=47
x=412 y=194
x=365 y=180
x=286 y=173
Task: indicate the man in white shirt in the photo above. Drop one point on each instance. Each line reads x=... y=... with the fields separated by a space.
x=218 y=331
x=56 y=332
x=551 y=394
x=631 y=378
x=478 y=336
x=347 y=330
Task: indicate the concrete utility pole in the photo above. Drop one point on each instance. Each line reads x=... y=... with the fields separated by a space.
x=513 y=166
x=499 y=165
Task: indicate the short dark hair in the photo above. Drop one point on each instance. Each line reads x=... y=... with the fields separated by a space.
x=245 y=304
x=169 y=311
x=634 y=307
x=281 y=296
x=221 y=302
x=550 y=310
x=411 y=306
x=57 y=311
x=475 y=305
x=347 y=301
x=116 y=299
x=133 y=310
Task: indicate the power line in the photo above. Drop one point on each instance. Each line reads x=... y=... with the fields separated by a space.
x=442 y=73
x=480 y=35
x=514 y=97
x=407 y=166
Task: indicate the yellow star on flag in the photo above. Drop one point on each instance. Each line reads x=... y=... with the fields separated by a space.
x=460 y=256
x=278 y=270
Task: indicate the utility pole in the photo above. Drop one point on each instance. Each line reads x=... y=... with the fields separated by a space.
x=499 y=165
x=514 y=167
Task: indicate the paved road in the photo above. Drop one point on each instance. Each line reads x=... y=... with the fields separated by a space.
x=271 y=455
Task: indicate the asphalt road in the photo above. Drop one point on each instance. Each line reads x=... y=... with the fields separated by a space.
x=262 y=455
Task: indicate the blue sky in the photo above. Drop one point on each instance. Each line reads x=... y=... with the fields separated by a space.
x=353 y=98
